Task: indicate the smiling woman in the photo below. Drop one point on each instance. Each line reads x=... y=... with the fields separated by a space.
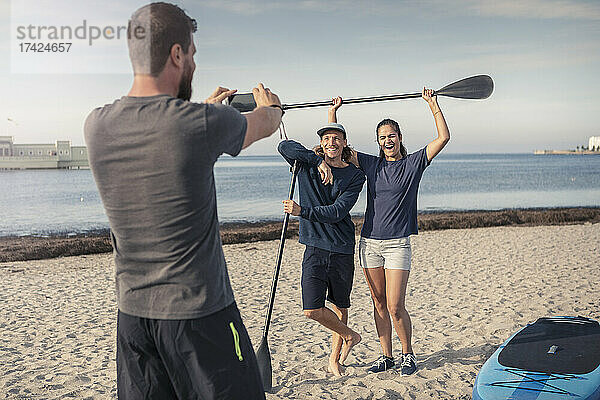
x=389 y=138
x=384 y=249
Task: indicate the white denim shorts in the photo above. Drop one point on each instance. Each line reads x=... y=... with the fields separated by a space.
x=388 y=253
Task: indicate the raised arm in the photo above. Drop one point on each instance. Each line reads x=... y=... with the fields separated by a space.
x=336 y=103
x=443 y=137
x=265 y=118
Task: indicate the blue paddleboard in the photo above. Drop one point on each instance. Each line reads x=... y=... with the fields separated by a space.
x=554 y=358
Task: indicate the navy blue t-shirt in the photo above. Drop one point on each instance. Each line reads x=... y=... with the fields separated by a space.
x=392 y=188
x=325 y=217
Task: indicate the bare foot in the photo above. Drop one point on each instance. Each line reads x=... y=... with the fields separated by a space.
x=348 y=345
x=335 y=368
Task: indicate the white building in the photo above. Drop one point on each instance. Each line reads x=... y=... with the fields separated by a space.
x=41 y=156
x=594 y=143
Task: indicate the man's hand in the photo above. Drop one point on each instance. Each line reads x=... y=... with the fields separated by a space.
x=326 y=175
x=336 y=103
x=264 y=119
x=332 y=112
x=291 y=207
x=219 y=95
x=264 y=97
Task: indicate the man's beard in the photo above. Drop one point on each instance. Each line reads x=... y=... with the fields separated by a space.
x=185 y=85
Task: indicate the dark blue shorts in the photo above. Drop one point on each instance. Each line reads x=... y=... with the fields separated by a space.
x=204 y=358
x=326 y=275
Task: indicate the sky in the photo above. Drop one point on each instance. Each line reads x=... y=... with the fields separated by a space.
x=543 y=55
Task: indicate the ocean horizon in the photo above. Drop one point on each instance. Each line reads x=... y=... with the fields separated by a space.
x=251 y=188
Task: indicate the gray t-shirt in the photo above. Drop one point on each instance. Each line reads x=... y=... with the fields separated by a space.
x=152 y=159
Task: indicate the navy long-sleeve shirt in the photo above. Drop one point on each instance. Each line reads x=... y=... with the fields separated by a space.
x=325 y=216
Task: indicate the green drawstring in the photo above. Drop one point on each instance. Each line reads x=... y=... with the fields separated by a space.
x=236 y=341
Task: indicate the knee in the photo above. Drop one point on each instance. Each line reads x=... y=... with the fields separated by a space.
x=397 y=312
x=314 y=314
x=379 y=302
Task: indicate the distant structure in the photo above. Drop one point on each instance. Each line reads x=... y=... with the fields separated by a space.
x=593 y=148
x=594 y=143
x=42 y=156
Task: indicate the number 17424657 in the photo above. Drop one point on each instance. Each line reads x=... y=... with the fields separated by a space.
x=41 y=47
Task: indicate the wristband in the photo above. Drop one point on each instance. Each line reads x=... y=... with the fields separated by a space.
x=278 y=106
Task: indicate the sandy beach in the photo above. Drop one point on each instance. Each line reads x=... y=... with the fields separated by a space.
x=468 y=291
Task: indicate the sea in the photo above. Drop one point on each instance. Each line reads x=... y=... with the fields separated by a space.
x=251 y=188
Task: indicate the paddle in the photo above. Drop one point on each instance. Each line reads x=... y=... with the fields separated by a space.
x=474 y=87
x=263 y=355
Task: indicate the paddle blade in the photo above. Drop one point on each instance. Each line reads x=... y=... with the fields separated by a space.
x=263 y=358
x=475 y=87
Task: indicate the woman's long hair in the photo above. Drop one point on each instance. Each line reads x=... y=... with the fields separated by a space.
x=346 y=153
x=394 y=125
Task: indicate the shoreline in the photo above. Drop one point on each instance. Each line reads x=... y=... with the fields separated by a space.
x=24 y=248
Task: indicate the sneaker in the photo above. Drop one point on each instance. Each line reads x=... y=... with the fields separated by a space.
x=383 y=363
x=409 y=364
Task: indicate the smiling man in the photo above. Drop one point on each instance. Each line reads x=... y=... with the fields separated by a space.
x=329 y=187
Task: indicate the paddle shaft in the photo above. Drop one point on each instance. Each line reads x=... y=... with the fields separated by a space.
x=474 y=87
x=286 y=220
x=353 y=101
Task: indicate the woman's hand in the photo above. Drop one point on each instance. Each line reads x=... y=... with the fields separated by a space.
x=443 y=137
x=354 y=158
x=326 y=175
x=429 y=97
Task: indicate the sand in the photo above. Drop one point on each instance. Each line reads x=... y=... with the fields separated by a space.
x=468 y=291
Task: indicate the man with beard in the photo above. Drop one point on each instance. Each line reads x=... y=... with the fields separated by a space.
x=179 y=331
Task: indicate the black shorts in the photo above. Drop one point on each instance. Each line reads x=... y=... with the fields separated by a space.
x=326 y=273
x=204 y=358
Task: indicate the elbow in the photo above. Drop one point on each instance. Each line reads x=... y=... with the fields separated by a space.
x=334 y=219
x=281 y=147
x=284 y=149
x=444 y=139
x=324 y=219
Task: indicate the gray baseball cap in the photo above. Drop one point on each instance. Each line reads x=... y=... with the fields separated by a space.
x=332 y=126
